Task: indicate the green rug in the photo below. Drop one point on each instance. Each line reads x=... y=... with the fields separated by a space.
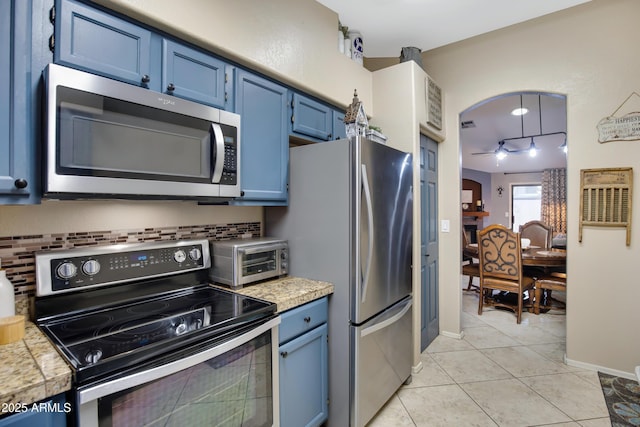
x=623 y=400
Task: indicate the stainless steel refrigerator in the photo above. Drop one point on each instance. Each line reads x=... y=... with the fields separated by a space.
x=349 y=222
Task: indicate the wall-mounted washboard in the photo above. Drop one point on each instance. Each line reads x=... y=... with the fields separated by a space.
x=605 y=199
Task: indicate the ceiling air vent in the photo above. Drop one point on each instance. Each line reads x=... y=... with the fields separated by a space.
x=467 y=124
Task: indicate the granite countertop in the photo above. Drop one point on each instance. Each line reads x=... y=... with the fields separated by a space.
x=32 y=370
x=288 y=292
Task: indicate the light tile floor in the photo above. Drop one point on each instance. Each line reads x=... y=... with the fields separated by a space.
x=499 y=374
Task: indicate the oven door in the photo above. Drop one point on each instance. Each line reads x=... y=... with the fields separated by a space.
x=233 y=383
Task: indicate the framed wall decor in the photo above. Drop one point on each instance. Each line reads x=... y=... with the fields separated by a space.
x=605 y=199
x=434 y=104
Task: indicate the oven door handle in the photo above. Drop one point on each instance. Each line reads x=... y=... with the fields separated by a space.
x=100 y=390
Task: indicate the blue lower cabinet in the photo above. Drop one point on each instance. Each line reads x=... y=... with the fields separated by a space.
x=47 y=413
x=303 y=364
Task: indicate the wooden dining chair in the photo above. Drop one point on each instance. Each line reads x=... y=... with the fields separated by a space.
x=469 y=267
x=500 y=255
x=555 y=281
x=539 y=233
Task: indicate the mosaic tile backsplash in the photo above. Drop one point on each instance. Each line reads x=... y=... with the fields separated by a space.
x=18 y=259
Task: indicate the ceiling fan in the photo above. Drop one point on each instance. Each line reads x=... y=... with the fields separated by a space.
x=501 y=151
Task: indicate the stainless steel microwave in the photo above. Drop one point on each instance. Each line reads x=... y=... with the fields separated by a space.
x=106 y=139
x=243 y=261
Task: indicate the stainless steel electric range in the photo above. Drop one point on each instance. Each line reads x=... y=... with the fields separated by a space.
x=150 y=342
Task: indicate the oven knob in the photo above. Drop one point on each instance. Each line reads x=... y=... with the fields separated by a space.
x=195 y=254
x=283 y=255
x=179 y=256
x=93 y=356
x=66 y=270
x=91 y=267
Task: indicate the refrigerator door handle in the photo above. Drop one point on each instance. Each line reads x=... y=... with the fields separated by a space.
x=367 y=195
x=388 y=321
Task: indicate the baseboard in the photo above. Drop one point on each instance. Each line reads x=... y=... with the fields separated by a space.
x=603 y=369
x=417 y=368
x=453 y=335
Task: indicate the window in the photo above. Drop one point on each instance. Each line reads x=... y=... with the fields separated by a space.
x=525 y=204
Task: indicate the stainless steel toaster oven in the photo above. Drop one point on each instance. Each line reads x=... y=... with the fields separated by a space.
x=236 y=263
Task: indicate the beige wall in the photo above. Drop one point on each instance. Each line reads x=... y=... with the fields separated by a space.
x=294 y=41
x=589 y=54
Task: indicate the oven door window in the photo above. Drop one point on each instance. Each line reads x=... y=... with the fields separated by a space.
x=102 y=136
x=233 y=390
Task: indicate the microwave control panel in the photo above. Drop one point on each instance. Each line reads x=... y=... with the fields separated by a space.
x=231 y=153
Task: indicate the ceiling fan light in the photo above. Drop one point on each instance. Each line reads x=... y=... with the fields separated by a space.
x=533 y=151
x=501 y=154
x=520 y=111
x=563 y=146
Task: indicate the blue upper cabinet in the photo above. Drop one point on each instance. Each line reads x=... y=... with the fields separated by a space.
x=94 y=41
x=20 y=52
x=339 y=130
x=310 y=118
x=100 y=43
x=192 y=74
x=264 y=149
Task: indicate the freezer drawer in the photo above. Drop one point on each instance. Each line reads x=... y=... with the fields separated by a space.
x=381 y=360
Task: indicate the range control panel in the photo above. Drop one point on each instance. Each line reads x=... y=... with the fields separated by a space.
x=74 y=269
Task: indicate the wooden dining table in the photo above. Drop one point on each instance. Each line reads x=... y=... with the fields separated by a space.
x=532 y=256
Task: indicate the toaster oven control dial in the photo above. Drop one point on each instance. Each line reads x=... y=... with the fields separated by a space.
x=179 y=256
x=91 y=267
x=66 y=270
x=195 y=254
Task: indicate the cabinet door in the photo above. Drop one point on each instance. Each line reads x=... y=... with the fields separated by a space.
x=49 y=413
x=89 y=39
x=264 y=144
x=304 y=379
x=17 y=118
x=192 y=74
x=339 y=130
x=311 y=118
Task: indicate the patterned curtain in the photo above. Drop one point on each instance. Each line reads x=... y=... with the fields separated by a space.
x=554 y=199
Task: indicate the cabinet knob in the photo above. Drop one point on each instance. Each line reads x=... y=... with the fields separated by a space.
x=146 y=78
x=21 y=183
x=171 y=87
x=284 y=354
x=307 y=319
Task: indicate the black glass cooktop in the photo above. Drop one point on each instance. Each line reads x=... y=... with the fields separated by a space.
x=106 y=338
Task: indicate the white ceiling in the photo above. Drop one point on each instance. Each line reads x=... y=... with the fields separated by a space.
x=388 y=25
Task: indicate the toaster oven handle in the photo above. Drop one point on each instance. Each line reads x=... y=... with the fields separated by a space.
x=217 y=152
x=260 y=248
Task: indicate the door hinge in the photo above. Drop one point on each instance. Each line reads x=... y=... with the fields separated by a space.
x=52 y=19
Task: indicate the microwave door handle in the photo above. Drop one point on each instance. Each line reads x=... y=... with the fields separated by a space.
x=218 y=152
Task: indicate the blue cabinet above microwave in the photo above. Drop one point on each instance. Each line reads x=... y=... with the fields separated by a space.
x=91 y=40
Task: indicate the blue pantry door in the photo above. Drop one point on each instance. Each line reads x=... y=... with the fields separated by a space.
x=429 y=320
